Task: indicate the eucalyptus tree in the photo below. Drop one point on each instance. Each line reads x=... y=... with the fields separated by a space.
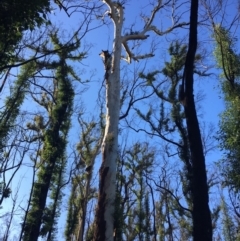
x=166 y=123
x=171 y=123
x=82 y=189
x=104 y=223
x=8 y=116
x=229 y=227
x=58 y=105
x=17 y=18
x=201 y=216
x=132 y=204
x=228 y=60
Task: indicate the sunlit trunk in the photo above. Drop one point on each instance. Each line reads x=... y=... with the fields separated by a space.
x=107 y=181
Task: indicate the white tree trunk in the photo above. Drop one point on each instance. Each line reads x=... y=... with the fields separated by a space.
x=104 y=223
x=107 y=186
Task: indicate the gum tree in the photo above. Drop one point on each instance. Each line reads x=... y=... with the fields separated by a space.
x=104 y=223
x=41 y=216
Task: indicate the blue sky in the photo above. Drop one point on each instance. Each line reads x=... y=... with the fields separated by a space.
x=101 y=39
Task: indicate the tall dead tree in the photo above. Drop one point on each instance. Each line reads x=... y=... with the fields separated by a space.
x=104 y=222
x=202 y=224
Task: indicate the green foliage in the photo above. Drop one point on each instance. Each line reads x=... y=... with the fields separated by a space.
x=73 y=211
x=148 y=225
x=229 y=135
x=150 y=77
x=53 y=163
x=118 y=218
x=52 y=211
x=90 y=233
x=5 y=191
x=227 y=59
x=18 y=16
x=13 y=102
x=132 y=212
x=81 y=191
x=11 y=110
x=229 y=229
x=173 y=69
x=170 y=122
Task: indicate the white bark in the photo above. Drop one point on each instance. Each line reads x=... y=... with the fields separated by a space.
x=110 y=140
x=104 y=223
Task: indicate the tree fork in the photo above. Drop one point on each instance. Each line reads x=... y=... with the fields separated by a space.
x=106 y=197
x=104 y=221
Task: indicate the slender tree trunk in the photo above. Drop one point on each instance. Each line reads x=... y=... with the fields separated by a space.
x=32 y=229
x=104 y=222
x=202 y=225
x=83 y=214
x=56 y=193
x=29 y=202
x=82 y=218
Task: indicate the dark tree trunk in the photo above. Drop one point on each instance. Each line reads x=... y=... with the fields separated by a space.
x=202 y=225
x=41 y=188
x=34 y=231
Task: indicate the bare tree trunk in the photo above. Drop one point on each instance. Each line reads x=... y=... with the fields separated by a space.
x=104 y=222
x=202 y=225
x=107 y=185
x=82 y=218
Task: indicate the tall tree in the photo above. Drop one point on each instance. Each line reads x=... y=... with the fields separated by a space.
x=8 y=117
x=59 y=108
x=229 y=61
x=81 y=185
x=202 y=224
x=229 y=229
x=107 y=184
x=170 y=122
x=132 y=213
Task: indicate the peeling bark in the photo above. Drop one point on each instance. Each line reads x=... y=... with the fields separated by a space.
x=105 y=208
x=107 y=186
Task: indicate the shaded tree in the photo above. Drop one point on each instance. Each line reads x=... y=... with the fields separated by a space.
x=202 y=224
x=18 y=16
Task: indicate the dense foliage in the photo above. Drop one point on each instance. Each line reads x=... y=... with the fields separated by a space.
x=18 y=16
x=229 y=62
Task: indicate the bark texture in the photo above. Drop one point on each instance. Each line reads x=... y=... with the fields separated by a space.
x=107 y=185
x=202 y=225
